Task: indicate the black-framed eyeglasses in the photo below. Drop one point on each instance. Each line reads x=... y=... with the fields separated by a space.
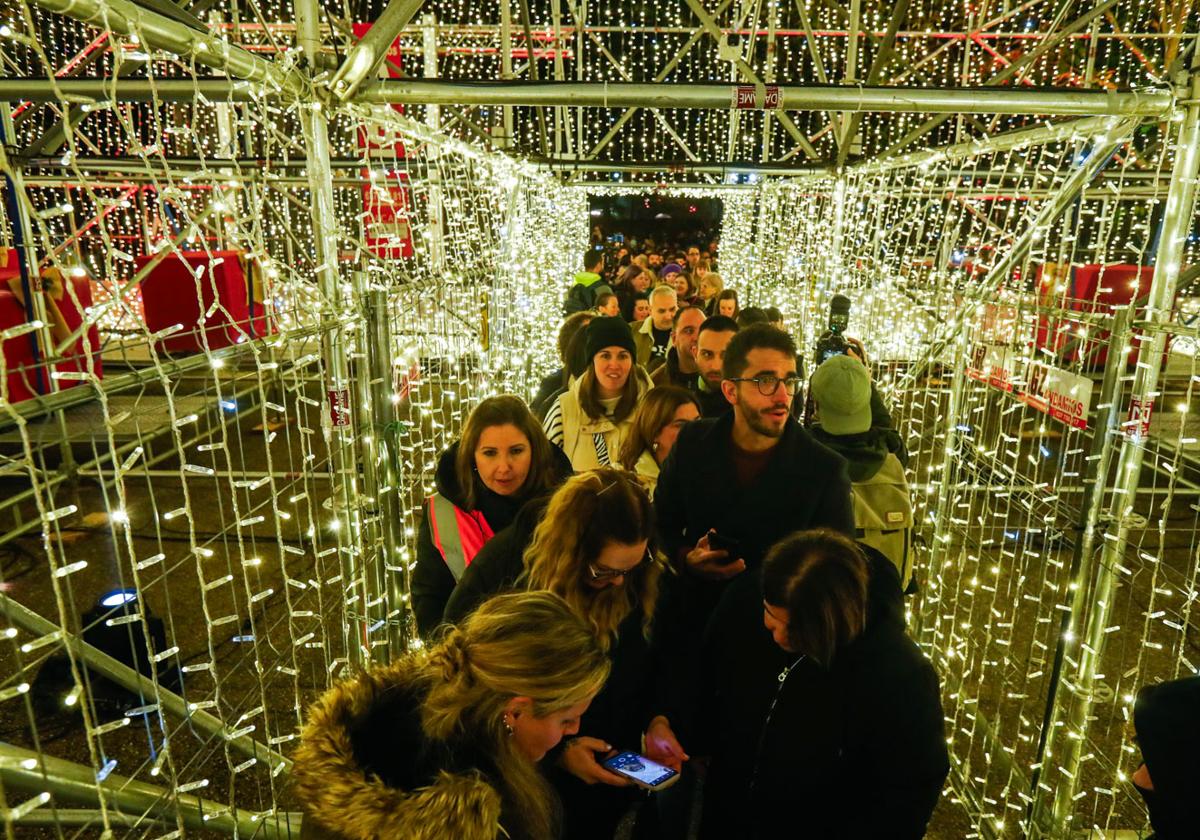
x=598 y=573
x=768 y=384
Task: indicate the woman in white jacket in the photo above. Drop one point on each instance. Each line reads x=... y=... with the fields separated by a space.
x=589 y=420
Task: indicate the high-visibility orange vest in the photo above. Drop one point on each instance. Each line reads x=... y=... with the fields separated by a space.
x=458 y=534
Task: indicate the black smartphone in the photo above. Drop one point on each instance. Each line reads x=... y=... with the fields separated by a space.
x=642 y=771
x=718 y=542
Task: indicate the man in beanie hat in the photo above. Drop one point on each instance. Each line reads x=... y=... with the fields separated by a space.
x=590 y=419
x=843 y=395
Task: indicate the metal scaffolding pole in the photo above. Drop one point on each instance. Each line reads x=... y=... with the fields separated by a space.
x=54 y=777
x=133 y=681
x=1076 y=704
x=986 y=100
x=161 y=32
x=340 y=420
x=373 y=47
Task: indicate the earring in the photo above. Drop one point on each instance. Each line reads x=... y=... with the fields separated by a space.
x=654 y=448
x=507 y=725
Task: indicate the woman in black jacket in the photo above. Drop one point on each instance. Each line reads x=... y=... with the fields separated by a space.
x=593 y=546
x=445 y=743
x=502 y=460
x=819 y=713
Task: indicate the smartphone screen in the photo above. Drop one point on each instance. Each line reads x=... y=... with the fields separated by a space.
x=639 y=768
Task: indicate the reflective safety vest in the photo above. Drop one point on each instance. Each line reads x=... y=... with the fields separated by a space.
x=457 y=534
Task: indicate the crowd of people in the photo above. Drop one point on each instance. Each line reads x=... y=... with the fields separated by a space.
x=662 y=558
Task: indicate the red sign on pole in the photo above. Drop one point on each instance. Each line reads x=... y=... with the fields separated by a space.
x=1140 y=412
x=745 y=97
x=339 y=406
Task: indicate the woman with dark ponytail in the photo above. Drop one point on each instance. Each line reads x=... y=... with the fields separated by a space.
x=445 y=743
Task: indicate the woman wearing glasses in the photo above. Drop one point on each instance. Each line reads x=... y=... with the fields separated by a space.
x=594 y=547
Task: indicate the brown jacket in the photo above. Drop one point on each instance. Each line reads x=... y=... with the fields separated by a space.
x=344 y=800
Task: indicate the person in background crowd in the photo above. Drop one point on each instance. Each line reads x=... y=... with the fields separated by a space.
x=652 y=336
x=711 y=285
x=727 y=303
x=693 y=258
x=703 y=268
x=883 y=515
x=554 y=384
x=685 y=290
x=751 y=315
x=655 y=261
x=588 y=284
x=594 y=547
x=608 y=304
x=712 y=338
x=641 y=307
x=502 y=459
x=446 y=743
x=1166 y=718
x=815 y=702
x=668 y=271
x=774 y=317
x=680 y=368
x=656 y=425
x=639 y=285
x=589 y=421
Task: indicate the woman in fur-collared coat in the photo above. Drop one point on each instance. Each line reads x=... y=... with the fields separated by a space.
x=445 y=743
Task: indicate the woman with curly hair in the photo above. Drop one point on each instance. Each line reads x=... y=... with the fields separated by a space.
x=594 y=546
x=445 y=743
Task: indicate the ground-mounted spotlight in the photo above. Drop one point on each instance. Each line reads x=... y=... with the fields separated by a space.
x=117 y=625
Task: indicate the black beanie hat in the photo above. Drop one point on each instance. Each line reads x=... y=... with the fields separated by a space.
x=609 y=332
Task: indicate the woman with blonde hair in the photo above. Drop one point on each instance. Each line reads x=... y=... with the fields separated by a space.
x=711 y=285
x=445 y=743
x=588 y=421
x=656 y=425
x=501 y=461
x=594 y=546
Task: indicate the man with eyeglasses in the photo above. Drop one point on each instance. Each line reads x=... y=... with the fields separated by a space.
x=748 y=478
x=753 y=476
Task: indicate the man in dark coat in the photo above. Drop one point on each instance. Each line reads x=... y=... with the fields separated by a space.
x=753 y=476
x=1167 y=719
x=680 y=368
x=711 y=341
x=854 y=749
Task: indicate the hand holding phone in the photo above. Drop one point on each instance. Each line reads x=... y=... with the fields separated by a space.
x=642 y=771
x=579 y=759
x=707 y=561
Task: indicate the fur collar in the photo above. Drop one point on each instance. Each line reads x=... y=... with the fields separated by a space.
x=341 y=796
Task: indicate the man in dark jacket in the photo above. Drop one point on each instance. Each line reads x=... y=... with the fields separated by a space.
x=1167 y=720
x=588 y=284
x=680 y=368
x=712 y=339
x=853 y=749
x=753 y=476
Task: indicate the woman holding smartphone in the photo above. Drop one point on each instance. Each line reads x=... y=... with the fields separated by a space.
x=446 y=742
x=594 y=547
